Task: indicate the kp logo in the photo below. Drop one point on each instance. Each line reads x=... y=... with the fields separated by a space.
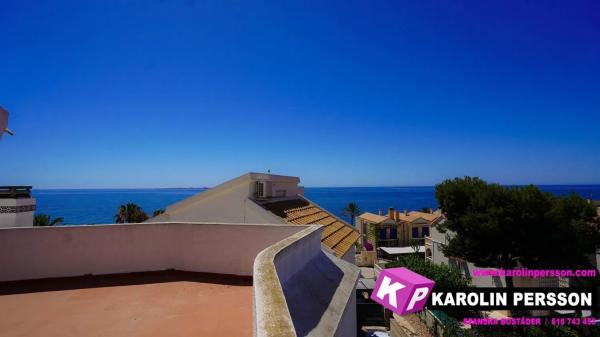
x=401 y=290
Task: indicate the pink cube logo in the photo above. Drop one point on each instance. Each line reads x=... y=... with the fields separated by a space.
x=402 y=290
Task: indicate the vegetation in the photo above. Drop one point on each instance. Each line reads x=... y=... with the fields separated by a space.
x=351 y=210
x=130 y=213
x=496 y=226
x=444 y=276
x=452 y=329
x=158 y=212
x=426 y=209
x=44 y=220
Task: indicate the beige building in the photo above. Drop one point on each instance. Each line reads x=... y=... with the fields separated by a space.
x=396 y=229
x=264 y=199
x=17 y=207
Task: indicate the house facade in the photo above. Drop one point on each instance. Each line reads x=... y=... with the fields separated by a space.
x=264 y=199
x=396 y=229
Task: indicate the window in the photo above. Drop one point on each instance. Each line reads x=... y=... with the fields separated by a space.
x=382 y=234
x=415 y=232
x=425 y=231
x=393 y=233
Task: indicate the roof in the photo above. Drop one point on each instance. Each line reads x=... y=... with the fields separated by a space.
x=401 y=250
x=166 y=303
x=218 y=190
x=373 y=217
x=408 y=217
x=337 y=234
x=414 y=215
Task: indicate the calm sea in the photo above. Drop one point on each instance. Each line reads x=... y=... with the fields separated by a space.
x=98 y=206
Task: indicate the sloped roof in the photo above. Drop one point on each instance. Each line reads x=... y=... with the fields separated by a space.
x=414 y=215
x=337 y=235
x=373 y=217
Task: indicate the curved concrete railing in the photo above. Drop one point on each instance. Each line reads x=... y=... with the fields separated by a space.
x=63 y=251
x=299 y=290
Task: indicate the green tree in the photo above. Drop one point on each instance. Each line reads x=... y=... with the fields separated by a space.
x=443 y=275
x=130 y=213
x=158 y=212
x=44 y=220
x=496 y=226
x=352 y=211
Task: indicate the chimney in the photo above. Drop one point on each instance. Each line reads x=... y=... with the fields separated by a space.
x=379 y=212
x=405 y=211
x=397 y=215
x=391 y=213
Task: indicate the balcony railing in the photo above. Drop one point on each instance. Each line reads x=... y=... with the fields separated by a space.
x=14 y=192
x=387 y=243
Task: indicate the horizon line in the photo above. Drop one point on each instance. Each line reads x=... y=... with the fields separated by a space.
x=209 y=187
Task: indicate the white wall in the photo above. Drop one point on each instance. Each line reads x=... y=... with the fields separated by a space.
x=13 y=218
x=227 y=203
x=42 y=252
x=438 y=240
x=292 y=268
x=350 y=255
x=290 y=188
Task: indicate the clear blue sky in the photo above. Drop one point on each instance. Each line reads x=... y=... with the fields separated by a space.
x=346 y=93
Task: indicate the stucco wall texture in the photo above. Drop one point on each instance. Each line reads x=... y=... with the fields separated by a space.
x=33 y=253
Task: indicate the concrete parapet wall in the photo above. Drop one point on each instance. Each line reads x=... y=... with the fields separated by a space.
x=45 y=252
x=299 y=290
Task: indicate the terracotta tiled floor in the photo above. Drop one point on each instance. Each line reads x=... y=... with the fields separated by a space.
x=133 y=305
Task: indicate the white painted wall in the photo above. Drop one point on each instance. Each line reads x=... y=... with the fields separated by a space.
x=42 y=252
x=16 y=219
x=227 y=203
x=302 y=267
x=350 y=255
x=438 y=240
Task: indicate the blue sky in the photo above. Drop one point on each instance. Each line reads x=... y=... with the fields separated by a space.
x=181 y=93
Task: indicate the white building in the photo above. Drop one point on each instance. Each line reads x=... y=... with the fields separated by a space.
x=264 y=199
x=16 y=206
x=433 y=252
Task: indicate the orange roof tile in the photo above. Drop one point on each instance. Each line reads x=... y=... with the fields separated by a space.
x=337 y=235
x=373 y=217
x=414 y=215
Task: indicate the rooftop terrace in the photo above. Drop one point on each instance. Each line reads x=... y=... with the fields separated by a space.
x=157 y=279
x=167 y=303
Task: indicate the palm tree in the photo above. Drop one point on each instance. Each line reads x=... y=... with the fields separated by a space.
x=158 y=212
x=43 y=220
x=130 y=213
x=352 y=211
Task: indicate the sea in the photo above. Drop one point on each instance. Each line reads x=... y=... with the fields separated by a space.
x=98 y=206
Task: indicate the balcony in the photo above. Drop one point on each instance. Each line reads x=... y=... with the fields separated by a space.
x=387 y=243
x=15 y=192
